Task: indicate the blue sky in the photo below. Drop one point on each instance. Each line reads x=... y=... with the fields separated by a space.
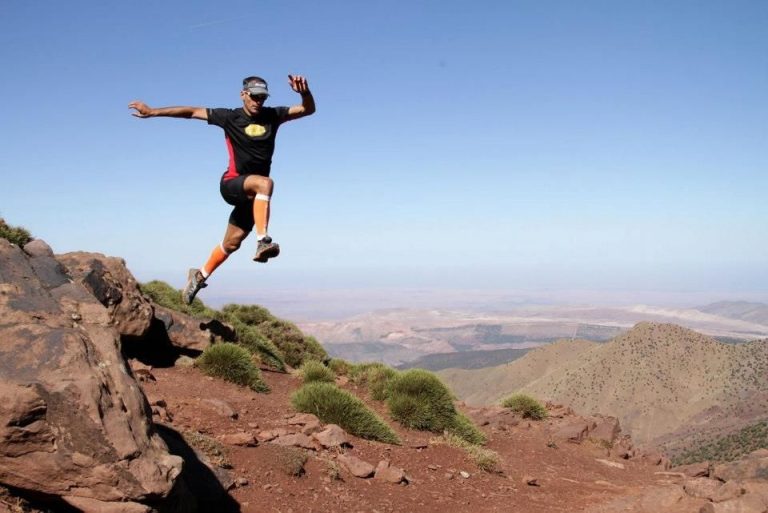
x=509 y=145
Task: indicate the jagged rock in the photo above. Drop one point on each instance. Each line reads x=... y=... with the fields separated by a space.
x=702 y=487
x=356 y=466
x=753 y=466
x=750 y=503
x=701 y=469
x=386 y=472
x=108 y=279
x=332 y=436
x=308 y=422
x=184 y=331
x=241 y=438
x=95 y=506
x=730 y=490
x=573 y=430
x=606 y=431
x=73 y=420
x=270 y=434
x=221 y=407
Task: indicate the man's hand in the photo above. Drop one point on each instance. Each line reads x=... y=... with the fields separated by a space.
x=298 y=84
x=142 y=109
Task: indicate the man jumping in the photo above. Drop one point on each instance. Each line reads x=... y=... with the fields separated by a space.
x=250 y=134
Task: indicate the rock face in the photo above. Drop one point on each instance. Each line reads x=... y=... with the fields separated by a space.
x=74 y=423
x=112 y=284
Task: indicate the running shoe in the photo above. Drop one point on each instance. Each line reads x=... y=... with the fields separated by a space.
x=266 y=249
x=195 y=282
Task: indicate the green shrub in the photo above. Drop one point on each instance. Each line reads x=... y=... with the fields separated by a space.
x=335 y=406
x=525 y=405
x=464 y=429
x=339 y=366
x=378 y=380
x=250 y=338
x=232 y=363
x=312 y=371
x=419 y=400
x=247 y=314
x=295 y=347
x=165 y=295
x=14 y=234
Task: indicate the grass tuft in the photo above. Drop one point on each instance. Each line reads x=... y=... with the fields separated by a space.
x=314 y=371
x=335 y=406
x=526 y=406
x=232 y=363
x=419 y=400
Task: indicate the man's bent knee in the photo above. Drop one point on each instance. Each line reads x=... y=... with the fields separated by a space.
x=256 y=184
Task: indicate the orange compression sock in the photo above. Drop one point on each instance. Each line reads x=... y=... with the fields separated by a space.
x=218 y=255
x=261 y=215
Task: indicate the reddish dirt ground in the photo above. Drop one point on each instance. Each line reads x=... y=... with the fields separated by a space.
x=569 y=476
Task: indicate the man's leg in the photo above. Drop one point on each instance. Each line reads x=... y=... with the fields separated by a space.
x=233 y=237
x=260 y=189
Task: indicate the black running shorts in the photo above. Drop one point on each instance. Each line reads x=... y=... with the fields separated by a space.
x=233 y=192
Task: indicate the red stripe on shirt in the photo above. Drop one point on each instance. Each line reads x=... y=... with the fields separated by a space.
x=232 y=168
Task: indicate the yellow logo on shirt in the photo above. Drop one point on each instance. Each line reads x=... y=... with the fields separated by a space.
x=255 y=130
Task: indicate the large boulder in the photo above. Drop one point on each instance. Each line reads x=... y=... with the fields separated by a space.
x=74 y=424
x=108 y=279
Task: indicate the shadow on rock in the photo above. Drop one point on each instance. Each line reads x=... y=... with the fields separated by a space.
x=155 y=349
x=198 y=482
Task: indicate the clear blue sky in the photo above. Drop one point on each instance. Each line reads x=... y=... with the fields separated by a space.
x=486 y=144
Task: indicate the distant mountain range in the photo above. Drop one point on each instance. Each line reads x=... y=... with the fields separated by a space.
x=742 y=310
x=664 y=382
x=405 y=336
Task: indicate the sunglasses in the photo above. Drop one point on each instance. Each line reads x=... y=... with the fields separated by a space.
x=259 y=97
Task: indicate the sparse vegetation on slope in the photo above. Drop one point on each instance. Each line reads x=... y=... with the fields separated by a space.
x=526 y=406
x=14 y=234
x=335 y=406
x=728 y=448
x=232 y=363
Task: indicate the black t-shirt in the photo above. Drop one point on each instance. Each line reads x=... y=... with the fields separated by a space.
x=250 y=140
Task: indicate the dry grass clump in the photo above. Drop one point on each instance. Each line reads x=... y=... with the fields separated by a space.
x=312 y=371
x=335 y=406
x=485 y=459
x=211 y=448
x=289 y=460
x=526 y=406
x=232 y=363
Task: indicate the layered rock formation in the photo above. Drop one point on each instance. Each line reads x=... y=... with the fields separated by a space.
x=74 y=425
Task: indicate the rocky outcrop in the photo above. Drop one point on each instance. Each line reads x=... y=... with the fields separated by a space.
x=110 y=282
x=74 y=424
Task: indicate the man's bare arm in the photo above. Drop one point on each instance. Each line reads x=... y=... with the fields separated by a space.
x=145 y=111
x=307 y=107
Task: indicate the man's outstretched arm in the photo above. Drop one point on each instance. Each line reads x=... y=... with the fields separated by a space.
x=145 y=111
x=307 y=107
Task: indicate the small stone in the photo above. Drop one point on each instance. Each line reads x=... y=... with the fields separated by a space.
x=241 y=481
x=433 y=467
x=464 y=474
x=530 y=480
